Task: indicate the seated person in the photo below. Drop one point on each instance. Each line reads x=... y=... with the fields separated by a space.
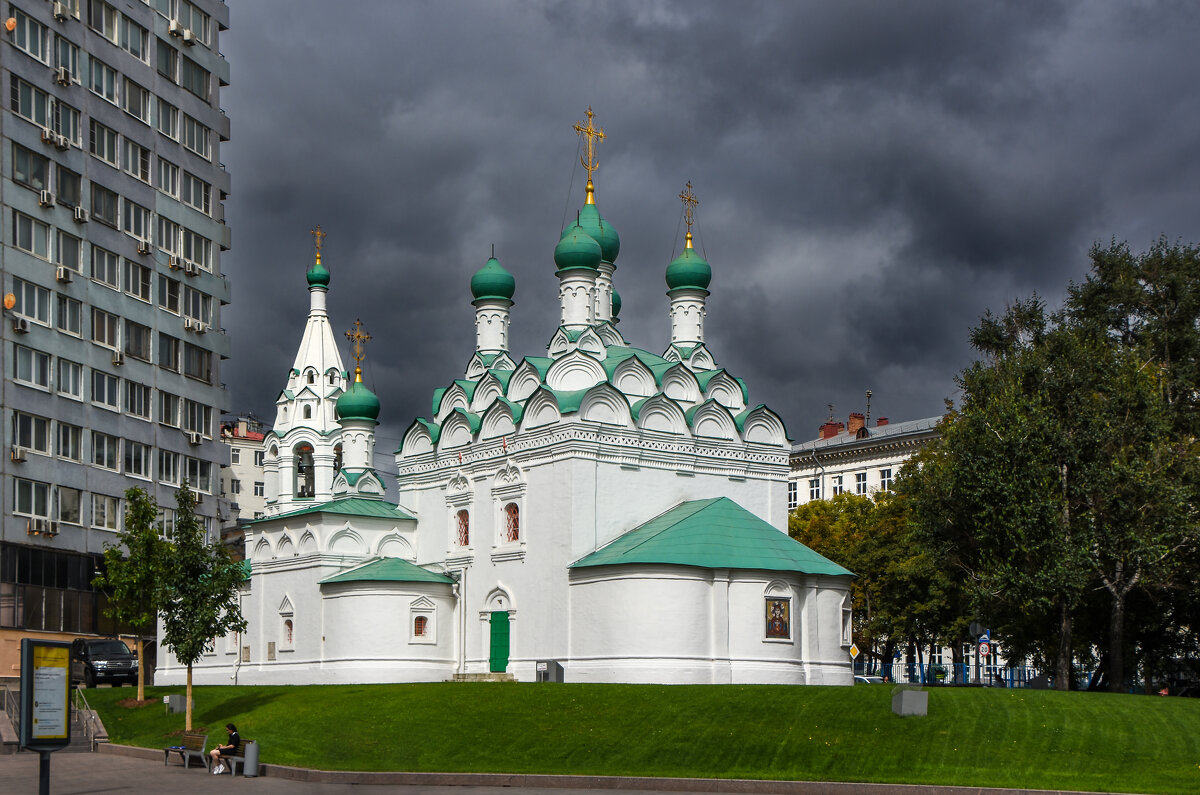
x=233 y=748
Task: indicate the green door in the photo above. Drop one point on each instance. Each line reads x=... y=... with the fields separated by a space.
x=499 y=642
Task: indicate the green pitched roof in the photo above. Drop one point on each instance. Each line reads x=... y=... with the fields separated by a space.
x=712 y=534
x=503 y=376
x=346 y=506
x=388 y=570
x=245 y=564
x=438 y=394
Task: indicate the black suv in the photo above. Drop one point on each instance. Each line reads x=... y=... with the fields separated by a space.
x=97 y=660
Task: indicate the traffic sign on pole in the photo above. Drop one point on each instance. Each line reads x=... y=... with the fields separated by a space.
x=984 y=648
x=853 y=651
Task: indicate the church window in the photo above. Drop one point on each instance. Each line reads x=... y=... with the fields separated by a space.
x=512 y=523
x=860 y=482
x=337 y=459
x=420 y=626
x=464 y=528
x=287 y=632
x=311 y=377
x=847 y=621
x=308 y=412
x=305 y=475
x=332 y=378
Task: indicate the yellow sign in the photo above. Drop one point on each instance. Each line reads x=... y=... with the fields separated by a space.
x=853 y=651
x=51 y=688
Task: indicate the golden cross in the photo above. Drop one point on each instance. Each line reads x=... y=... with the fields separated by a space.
x=689 y=204
x=358 y=338
x=318 y=236
x=593 y=134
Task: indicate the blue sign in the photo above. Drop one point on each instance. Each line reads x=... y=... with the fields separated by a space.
x=984 y=638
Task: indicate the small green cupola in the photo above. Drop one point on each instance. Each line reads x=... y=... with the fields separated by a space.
x=689 y=270
x=616 y=305
x=358 y=402
x=577 y=250
x=599 y=229
x=493 y=281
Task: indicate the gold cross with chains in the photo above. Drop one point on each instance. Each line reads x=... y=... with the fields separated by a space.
x=318 y=236
x=593 y=134
x=358 y=338
x=689 y=205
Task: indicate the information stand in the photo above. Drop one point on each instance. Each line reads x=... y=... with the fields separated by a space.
x=45 y=701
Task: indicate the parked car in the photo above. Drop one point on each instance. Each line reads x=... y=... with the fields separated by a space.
x=98 y=660
x=867 y=679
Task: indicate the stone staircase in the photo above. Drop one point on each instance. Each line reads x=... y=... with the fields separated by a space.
x=504 y=677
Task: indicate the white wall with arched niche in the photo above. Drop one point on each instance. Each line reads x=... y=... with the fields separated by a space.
x=394 y=545
x=633 y=377
x=497 y=421
x=660 y=413
x=576 y=370
x=605 y=404
x=540 y=409
x=524 y=382
x=678 y=383
x=711 y=419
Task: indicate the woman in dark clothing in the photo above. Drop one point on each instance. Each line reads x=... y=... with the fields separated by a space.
x=231 y=749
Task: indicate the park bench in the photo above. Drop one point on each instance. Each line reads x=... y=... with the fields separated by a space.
x=231 y=762
x=192 y=746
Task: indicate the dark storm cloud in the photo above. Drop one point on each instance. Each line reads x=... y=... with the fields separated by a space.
x=873 y=176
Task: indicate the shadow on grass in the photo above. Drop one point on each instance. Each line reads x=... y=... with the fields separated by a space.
x=242 y=705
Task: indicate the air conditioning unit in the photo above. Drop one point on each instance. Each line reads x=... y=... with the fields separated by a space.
x=20 y=325
x=46 y=198
x=62 y=274
x=143 y=247
x=63 y=76
x=39 y=527
x=118 y=358
x=173 y=262
x=189 y=324
x=80 y=215
x=190 y=268
x=47 y=135
x=194 y=438
x=175 y=28
x=17 y=453
x=189 y=38
x=60 y=12
x=201 y=327
x=62 y=142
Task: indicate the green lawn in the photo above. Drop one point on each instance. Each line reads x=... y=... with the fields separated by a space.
x=978 y=737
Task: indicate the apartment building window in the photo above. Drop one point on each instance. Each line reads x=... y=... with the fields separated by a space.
x=67 y=122
x=837 y=485
x=137 y=341
x=68 y=56
x=793 y=495
x=235 y=485
x=814 y=489
x=69 y=186
x=260 y=488
x=30 y=35
x=70 y=442
x=235 y=456
x=167 y=60
x=197 y=249
x=70 y=378
x=860 y=482
x=106 y=390
x=31 y=432
x=168 y=293
x=31 y=235
x=69 y=251
x=102 y=18
x=168 y=409
x=105 y=205
x=105 y=512
x=137 y=459
x=168 y=235
x=103 y=79
x=137 y=280
x=69 y=503
x=885 y=479
x=106 y=267
x=105 y=328
x=31 y=498
x=195 y=136
x=70 y=316
x=30 y=169
x=194 y=20
x=29 y=102
x=135 y=39
x=197 y=417
x=31 y=367
x=136 y=220
x=258 y=459
x=135 y=160
x=102 y=142
x=105 y=450
x=136 y=101
x=168 y=467
x=32 y=301
x=168 y=352
x=193 y=77
x=199 y=475
x=197 y=193
x=196 y=304
x=168 y=183
x=197 y=362
x=167 y=119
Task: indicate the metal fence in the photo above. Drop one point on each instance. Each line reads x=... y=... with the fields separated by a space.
x=961 y=674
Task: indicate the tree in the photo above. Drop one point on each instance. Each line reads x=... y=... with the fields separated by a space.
x=133 y=576
x=200 y=591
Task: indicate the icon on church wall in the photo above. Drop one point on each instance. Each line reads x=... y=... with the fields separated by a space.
x=778 y=618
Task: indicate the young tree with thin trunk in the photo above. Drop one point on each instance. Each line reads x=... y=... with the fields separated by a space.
x=133 y=572
x=200 y=591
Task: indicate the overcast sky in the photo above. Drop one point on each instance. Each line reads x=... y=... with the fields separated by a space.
x=872 y=176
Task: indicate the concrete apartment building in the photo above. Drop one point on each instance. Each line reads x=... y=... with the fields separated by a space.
x=111 y=188
x=243 y=483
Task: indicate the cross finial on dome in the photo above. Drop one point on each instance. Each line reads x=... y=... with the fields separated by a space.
x=589 y=161
x=358 y=339
x=689 y=205
x=318 y=236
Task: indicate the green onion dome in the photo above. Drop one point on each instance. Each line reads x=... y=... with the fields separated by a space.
x=616 y=303
x=358 y=402
x=317 y=275
x=689 y=270
x=577 y=249
x=601 y=231
x=493 y=281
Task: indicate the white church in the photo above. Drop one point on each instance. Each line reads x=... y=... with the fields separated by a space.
x=599 y=513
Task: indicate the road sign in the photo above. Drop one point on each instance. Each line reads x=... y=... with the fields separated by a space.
x=853 y=651
x=985 y=638
x=984 y=649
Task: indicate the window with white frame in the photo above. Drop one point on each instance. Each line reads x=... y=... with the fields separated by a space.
x=847 y=621
x=193 y=77
x=106 y=450
x=197 y=417
x=31 y=235
x=32 y=301
x=30 y=102
x=105 y=328
x=30 y=35
x=260 y=488
x=136 y=101
x=67 y=56
x=70 y=502
x=70 y=442
x=70 y=378
x=168 y=236
x=860 y=482
x=69 y=185
x=197 y=193
x=135 y=159
x=837 y=485
x=106 y=390
x=30 y=168
x=168 y=467
x=136 y=221
x=512 y=523
x=137 y=340
x=195 y=20
x=138 y=279
x=199 y=475
x=102 y=18
x=69 y=251
x=70 y=316
x=814 y=489
x=197 y=249
x=196 y=304
x=793 y=491
x=106 y=512
x=168 y=409
x=105 y=205
x=168 y=183
x=168 y=352
x=166 y=522
x=197 y=362
x=68 y=122
x=166 y=119
x=103 y=79
x=885 y=479
x=135 y=39
x=31 y=367
x=235 y=485
x=195 y=136
x=31 y=432
x=168 y=293
x=31 y=498
x=421 y=622
x=137 y=459
x=138 y=399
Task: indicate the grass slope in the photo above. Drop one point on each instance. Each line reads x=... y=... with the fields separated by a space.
x=978 y=737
